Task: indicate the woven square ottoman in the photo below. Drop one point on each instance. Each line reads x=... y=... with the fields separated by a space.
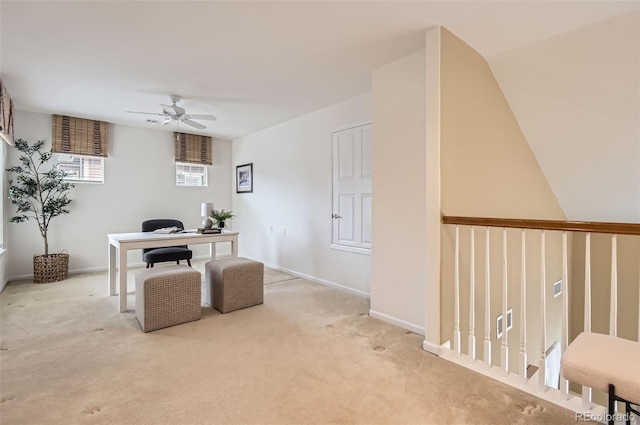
x=167 y=296
x=234 y=283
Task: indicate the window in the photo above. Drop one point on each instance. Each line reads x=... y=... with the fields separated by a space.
x=194 y=175
x=81 y=168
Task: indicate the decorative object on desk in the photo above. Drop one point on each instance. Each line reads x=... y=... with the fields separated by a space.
x=40 y=192
x=221 y=216
x=210 y=231
x=205 y=211
x=244 y=178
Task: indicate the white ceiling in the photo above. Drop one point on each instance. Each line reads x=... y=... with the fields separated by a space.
x=252 y=64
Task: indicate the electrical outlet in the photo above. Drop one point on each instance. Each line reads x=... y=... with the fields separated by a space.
x=557 y=288
x=499 y=323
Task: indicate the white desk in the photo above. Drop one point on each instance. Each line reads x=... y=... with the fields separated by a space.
x=123 y=242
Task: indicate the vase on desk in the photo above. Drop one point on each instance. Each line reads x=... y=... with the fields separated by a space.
x=221 y=224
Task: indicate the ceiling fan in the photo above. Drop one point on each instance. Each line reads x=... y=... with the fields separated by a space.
x=178 y=114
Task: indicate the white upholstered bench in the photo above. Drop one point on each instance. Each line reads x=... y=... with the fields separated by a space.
x=606 y=363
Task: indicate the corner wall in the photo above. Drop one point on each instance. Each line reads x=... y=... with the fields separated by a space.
x=400 y=190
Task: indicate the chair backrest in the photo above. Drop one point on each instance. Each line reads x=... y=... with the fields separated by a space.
x=159 y=223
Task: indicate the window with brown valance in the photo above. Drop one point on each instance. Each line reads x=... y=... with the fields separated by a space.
x=6 y=115
x=79 y=136
x=192 y=148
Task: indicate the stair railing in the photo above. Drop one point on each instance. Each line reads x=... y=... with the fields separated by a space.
x=543 y=226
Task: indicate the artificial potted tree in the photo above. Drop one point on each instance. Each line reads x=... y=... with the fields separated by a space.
x=221 y=216
x=40 y=192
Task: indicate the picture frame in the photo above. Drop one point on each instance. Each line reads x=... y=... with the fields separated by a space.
x=244 y=178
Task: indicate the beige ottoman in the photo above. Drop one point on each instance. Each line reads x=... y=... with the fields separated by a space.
x=234 y=283
x=167 y=296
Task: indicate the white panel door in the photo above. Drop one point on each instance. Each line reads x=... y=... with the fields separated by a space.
x=352 y=171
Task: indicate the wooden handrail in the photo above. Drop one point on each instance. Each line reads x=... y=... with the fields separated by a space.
x=573 y=226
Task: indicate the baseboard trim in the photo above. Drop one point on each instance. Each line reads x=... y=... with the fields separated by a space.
x=432 y=348
x=318 y=280
x=398 y=322
x=102 y=268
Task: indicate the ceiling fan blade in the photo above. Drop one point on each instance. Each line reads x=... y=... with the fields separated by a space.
x=177 y=109
x=202 y=117
x=145 y=113
x=166 y=121
x=194 y=124
x=167 y=112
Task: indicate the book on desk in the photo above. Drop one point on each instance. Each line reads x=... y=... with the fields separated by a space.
x=210 y=231
x=168 y=230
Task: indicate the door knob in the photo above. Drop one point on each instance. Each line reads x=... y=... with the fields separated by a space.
x=336 y=216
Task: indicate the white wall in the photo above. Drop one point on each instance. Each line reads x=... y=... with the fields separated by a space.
x=292 y=189
x=3 y=193
x=139 y=184
x=577 y=99
x=399 y=188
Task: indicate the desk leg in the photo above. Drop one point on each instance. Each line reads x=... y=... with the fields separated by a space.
x=123 y=280
x=234 y=246
x=112 y=270
x=212 y=250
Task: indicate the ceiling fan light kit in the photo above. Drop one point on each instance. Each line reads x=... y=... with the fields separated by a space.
x=178 y=114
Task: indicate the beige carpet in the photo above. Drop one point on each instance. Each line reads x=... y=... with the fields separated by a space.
x=309 y=355
x=276 y=276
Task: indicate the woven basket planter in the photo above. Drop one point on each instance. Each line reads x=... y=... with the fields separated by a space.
x=50 y=268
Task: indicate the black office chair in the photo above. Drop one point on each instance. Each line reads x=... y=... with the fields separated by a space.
x=161 y=255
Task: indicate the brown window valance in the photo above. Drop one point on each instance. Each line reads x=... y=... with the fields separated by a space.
x=6 y=115
x=79 y=136
x=193 y=148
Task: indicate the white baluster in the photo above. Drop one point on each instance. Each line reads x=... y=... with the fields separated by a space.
x=456 y=302
x=613 y=302
x=472 y=301
x=564 y=332
x=613 y=309
x=523 y=311
x=586 y=391
x=505 y=343
x=542 y=369
x=487 y=304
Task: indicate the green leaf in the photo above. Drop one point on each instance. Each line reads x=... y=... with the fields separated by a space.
x=43 y=194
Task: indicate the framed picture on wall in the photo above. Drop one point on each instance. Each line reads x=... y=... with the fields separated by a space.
x=244 y=178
